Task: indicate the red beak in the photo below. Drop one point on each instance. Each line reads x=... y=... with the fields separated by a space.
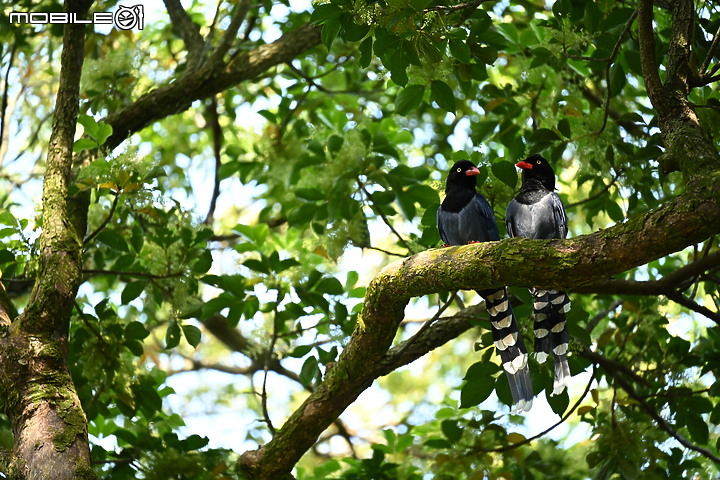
x=472 y=171
x=524 y=165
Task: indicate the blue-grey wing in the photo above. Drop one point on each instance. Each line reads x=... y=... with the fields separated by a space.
x=441 y=230
x=543 y=219
x=559 y=214
x=487 y=217
x=511 y=212
x=475 y=222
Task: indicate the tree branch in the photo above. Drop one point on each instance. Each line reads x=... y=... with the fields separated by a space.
x=178 y=95
x=552 y=427
x=648 y=60
x=625 y=385
x=230 y=34
x=668 y=285
x=217 y=138
x=40 y=395
x=104 y=223
x=189 y=32
x=562 y=264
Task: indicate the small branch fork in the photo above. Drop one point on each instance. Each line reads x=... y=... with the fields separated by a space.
x=671 y=285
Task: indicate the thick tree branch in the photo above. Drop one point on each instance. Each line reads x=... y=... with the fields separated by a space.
x=49 y=425
x=563 y=264
x=189 y=32
x=648 y=60
x=207 y=81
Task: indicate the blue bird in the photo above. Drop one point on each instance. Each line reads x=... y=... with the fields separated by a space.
x=537 y=212
x=466 y=217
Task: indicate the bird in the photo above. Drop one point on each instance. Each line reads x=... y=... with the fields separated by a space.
x=537 y=212
x=465 y=216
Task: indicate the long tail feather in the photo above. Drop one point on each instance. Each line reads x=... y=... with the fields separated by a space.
x=510 y=346
x=551 y=336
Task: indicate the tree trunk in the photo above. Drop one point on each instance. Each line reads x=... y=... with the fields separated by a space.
x=48 y=422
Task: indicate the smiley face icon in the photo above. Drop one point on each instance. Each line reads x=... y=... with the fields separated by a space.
x=127 y=18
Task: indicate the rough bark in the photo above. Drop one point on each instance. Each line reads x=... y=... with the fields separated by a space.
x=48 y=422
x=688 y=219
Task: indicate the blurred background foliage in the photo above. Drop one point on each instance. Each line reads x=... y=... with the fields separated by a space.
x=229 y=246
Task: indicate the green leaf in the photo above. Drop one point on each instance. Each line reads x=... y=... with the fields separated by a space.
x=475 y=392
x=443 y=95
x=192 y=334
x=698 y=429
x=617 y=79
x=84 y=144
x=559 y=403
x=459 y=50
x=331 y=286
x=324 y=12
x=451 y=430
x=103 y=132
x=564 y=127
x=409 y=99
x=330 y=31
x=113 y=240
x=541 y=56
x=137 y=239
x=482 y=371
x=203 y=263
x=135 y=346
x=614 y=211
x=309 y=371
x=136 y=330
x=89 y=125
x=131 y=291
x=194 y=442
x=505 y=172
x=173 y=335
x=309 y=193
x=366 y=49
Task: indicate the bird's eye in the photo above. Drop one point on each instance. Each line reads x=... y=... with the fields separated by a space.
x=538 y=162
x=459 y=170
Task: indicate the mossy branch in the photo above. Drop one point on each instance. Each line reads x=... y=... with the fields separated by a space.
x=686 y=220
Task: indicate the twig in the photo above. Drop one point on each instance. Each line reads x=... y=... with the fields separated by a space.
x=88 y=324
x=613 y=55
x=217 y=136
x=6 y=91
x=91 y=271
x=379 y=211
x=105 y=221
x=595 y=195
x=547 y=430
x=597 y=318
x=453 y=8
x=426 y=325
x=266 y=367
x=386 y=252
x=229 y=37
x=189 y=32
x=658 y=418
x=711 y=52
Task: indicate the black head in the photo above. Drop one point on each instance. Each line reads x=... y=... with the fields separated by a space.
x=536 y=167
x=462 y=174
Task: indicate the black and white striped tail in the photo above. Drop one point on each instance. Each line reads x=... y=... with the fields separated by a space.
x=551 y=336
x=510 y=347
